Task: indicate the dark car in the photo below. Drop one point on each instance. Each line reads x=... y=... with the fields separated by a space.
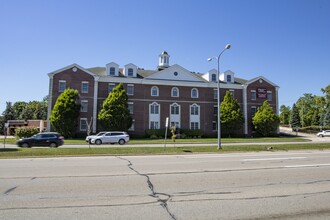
x=45 y=139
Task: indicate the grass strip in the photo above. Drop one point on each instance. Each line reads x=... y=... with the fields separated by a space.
x=59 y=152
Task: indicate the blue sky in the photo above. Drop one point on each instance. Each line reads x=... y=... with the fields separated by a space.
x=286 y=41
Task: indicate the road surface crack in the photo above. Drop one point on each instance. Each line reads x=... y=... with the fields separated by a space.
x=162 y=198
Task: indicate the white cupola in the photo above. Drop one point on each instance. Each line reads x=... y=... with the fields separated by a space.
x=164 y=60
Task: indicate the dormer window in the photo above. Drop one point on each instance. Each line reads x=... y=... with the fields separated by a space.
x=228 y=78
x=130 y=72
x=112 y=71
x=214 y=78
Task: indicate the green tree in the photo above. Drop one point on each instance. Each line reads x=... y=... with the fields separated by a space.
x=265 y=121
x=326 y=118
x=295 y=118
x=8 y=114
x=114 y=114
x=326 y=92
x=231 y=115
x=64 y=116
x=285 y=115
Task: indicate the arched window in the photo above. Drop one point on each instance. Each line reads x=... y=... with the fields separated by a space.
x=194 y=109
x=154 y=108
x=194 y=93
x=154 y=91
x=175 y=109
x=175 y=92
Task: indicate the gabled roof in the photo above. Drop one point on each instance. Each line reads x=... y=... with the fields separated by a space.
x=69 y=67
x=263 y=78
x=182 y=74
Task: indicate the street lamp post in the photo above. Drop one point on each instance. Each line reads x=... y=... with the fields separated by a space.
x=218 y=83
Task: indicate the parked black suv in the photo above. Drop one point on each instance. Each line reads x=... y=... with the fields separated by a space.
x=45 y=139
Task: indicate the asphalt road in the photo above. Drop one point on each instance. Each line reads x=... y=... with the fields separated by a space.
x=272 y=185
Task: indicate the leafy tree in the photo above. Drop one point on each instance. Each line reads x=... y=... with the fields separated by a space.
x=295 y=118
x=285 y=114
x=326 y=118
x=326 y=91
x=265 y=121
x=114 y=114
x=8 y=114
x=64 y=116
x=231 y=115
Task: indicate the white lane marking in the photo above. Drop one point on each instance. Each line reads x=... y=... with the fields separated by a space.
x=308 y=165
x=275 y=158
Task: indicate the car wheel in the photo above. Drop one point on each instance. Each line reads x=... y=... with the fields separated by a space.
x=98 y=142
x=25 y=145
x=53 y=145
x=121 y=141
x=322 y=135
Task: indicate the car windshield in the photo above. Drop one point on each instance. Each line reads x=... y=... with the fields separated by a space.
x=100 y=134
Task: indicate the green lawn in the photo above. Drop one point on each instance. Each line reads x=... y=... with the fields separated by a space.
x=115 y=151
x=191 y=140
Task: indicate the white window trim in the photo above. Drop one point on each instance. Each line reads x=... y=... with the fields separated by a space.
x=82 y=86
x=132 y=86
x=59 y=85
x=81 y=102
x=178 y=91
x=83 y=119
x=113 y=84
x=197 y=93
x=132 y=104
x=152 y=88
x=255 y=98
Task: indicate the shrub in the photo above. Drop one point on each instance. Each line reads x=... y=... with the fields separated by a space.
x=22 y=132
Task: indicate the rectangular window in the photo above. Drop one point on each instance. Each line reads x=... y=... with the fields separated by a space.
x=112 y=71
x=84 y=87
x=61 y=85
x=228 y=78
x=253 y=95
x=84 y=106
x=214 y=126
x=130 y=107
x=253 y=110
x=154 y=125
x=111 y=86
x=132 y=128
x=269 y=96
x=194 y=125
x=215 y=110
x=130 y=72
x=232 y=92
x=130 y=89
x=175 y=124
x=215 y=93
x=214 y=77
x=83 y=124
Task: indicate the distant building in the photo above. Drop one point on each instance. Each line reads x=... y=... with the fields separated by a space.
x=189 y=99
x=13 y=124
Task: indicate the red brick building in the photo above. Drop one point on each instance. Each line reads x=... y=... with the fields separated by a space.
x=187 y=98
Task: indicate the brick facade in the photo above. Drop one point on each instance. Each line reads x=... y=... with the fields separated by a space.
x=98 y=80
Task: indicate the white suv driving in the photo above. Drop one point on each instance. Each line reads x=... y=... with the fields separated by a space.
x=111 y=137
x=324 y=133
